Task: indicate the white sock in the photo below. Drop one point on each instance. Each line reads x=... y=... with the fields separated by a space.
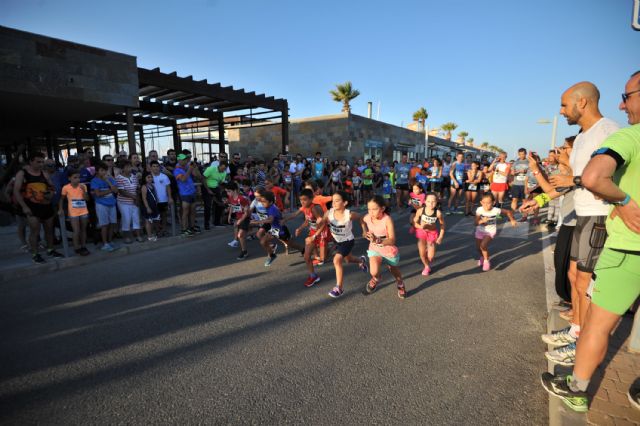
x=574 y=331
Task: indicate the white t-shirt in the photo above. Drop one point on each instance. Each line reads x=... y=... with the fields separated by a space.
x=341 y=231
x=296 y=167
x=502 y=176
x=161 y=182
x=584 y=145
x=491 y=226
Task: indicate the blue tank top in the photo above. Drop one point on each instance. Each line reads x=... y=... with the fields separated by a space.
x=459 y=172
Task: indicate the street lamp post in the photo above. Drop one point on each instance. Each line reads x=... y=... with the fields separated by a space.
x=553 y=130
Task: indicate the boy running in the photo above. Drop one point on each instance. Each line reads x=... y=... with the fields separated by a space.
x=239 y=209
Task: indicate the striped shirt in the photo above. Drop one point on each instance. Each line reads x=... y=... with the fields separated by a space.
x=129 y=184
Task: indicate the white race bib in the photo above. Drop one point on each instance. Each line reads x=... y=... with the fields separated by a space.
x=473 y=187
x=78 y=204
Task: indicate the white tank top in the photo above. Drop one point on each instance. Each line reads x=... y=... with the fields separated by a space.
x=341 y=231
x=500 y=178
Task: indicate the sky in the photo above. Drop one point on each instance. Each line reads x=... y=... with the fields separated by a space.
x=494 y=67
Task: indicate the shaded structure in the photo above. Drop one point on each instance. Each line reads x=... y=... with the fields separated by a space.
x=62 y=96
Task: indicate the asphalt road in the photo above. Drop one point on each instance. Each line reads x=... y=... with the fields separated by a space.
x=189 y=335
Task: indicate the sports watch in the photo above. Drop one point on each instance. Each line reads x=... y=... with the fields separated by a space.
x=577 y=181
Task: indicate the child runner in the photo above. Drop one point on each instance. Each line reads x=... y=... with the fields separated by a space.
x=239 y=209
x=416 y=200
x=457 y=182
x=271 y=226
x=435 y=178
x=357 y=183
x=471 y=186
x=150 y=210
x=426 y=231
x=324 y=239
x=485 y=183
x=377 y=227
x=486 y=227
x=77 y=197
x=387 y=189
x=339 y=221
x=313 y=220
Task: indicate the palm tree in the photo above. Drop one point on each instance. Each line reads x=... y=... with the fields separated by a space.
x=462 y=135
x=494 y=148
x=484 y=145
x=344 y=93
x=470 y=141
x=449 y=127
x=421 y=116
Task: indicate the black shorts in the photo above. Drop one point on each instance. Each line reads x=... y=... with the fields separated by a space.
x=367 y=187
x=517 y=191
x=436 y=186
x=446 y=181
x=244 y=225
x=163 y=207
x=402 y=186
x=40 y=211
x=345 y=247
x=475 y=188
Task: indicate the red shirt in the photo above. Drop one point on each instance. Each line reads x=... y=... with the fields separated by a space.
x=322 y=201
x=237 y=205
x=279 y=194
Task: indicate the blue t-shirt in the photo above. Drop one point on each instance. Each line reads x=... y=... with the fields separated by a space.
x=421 y=179
x=105 y=200
x=85 y=175
x=273 y=211
x=186 y=187
x=402 y=173
x=446 y=168
x=386 y=187
x=318 y=166
x=458 y=172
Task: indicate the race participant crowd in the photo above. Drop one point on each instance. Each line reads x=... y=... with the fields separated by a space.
x=589 y=185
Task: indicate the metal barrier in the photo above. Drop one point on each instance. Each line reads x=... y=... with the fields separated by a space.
x=172 y=214
x=63 y=235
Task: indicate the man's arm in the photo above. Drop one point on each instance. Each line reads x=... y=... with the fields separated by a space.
x=597 y=177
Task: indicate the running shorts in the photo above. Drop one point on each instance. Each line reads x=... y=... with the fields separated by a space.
x=617 y=283
x=345 y=247
x=481 y=234
x=587 y=241
x=517 y=191
x=429 y=235
x=391 y=261
x=106 y=215
x=189 y=199
x=244 y=225
x=402 y=186
x=40 y=211
x=499 y=187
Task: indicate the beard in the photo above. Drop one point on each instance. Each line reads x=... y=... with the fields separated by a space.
x=574 y=116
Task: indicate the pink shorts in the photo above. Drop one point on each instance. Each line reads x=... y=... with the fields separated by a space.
x=427 y=234
x=481 y=234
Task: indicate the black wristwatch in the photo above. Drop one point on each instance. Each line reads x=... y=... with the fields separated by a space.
x=577 y=181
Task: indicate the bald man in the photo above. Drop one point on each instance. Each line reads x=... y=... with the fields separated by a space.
x=579 y=105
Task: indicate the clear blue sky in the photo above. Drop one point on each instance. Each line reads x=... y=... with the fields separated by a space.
x=493 y=67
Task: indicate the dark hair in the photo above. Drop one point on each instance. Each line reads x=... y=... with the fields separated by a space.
x=231 y=186
x=72 y=172
x=223 y=163
x=378 y=200
x=318 y=152
x=185 y=152
x=476 y=162
x=260 y=162
x=306 y=192
x=132 y=154
x=430 y=193
x=246 y=182
x=106 y=155
x=488 y=195
x=268 y=195
x=169 y=151
x=144 y=176
x=522 y=150
x=312 y=183
x=387 y=175
x=154 y=163
x=35 y=155
x=344 y=195
x=102 y=166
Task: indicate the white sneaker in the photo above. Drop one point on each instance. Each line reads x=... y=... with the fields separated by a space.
x=233 y=243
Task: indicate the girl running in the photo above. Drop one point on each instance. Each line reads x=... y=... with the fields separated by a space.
x=435 y=180
x=416 y=200
x=339 y=221
x=357 y=186
x=471 y=186
x=377 y=227
x=486 y=227
x=239 y=210
x=485 y=183
x=313 y=218
x=427 y=232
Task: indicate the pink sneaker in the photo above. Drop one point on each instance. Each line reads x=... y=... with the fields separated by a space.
x=480 y=261
x=486 y=265
x=426 y=271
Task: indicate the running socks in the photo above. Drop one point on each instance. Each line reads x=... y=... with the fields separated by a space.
x=574 y=331
x=577 y=384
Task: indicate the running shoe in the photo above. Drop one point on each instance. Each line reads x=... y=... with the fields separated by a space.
x=53 y=253
x=184 y=233
x=371 y=285
x=196 y=229
x=426 y=271
x=634 y=396
x=318 y=262
x=559 y=337
x=24 y=248
x=233 y=243
x=311 y=280
x=565 y=355
x=558 y=386
x=84 y=251
x=243 y=255
x=566 y=314
x=140 y=239
x=270 y=259
x=336 y=292
x=36 y=258
x=486 y=265
x=448 y=213
x=274 y=248
x=363 y=264
x=480 y=261
x=402 y=292
x=107 y=247
x=153 y=238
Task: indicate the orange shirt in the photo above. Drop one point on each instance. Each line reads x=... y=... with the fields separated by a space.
x=75 y=198
x=322 y=201
x=279 y=193
x=413 y=172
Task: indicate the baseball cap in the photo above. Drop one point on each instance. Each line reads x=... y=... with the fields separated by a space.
x=183 y=156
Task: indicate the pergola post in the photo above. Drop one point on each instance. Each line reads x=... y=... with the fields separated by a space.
x=78 y=141
x=220 y=132
x=131 y=132
x=177 y=143
x=96 y=146
x=285 y=127
x=49 y=141
x=116 y=146
x=142 y=148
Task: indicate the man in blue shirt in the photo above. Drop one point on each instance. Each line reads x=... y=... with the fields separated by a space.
x=402 y=170
x=187 y=190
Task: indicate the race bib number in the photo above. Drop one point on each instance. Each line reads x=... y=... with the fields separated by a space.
x=404 y=176
x=255 y=216
x=275 y=232
x=428 y=220
x=335 y=179
x=78 y=204
x=313 y=225
x=473 y=187
x=486 y=188
x=458 y=177
x=287 y=179
x=236 y=208
x=415 y=201
x=521 y=178
x=263 y=216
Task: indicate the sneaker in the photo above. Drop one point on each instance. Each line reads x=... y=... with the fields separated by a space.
x=270 y=260
x=634 y=396
x=311 y=280
x=363 y=264
x=185 y=233
x=402 y=292
x=196 y=229
x=318 y=262
x=426 y=271
x=336 y=292
x=486 y=265
x=153 y=238
x=371 y=285
x=233 y=243
x=53 y=253
x=243 y=255
x=140 y=239
x=566 y=315
x=559 y=337
x=24 y=248
x=480 y=261
x=558 y=386
x=447 y=213
x=565 y=355
x=107 y=247
x=36 y=258
x=84 y=251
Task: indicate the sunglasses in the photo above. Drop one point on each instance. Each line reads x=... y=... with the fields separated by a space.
x=625 y=96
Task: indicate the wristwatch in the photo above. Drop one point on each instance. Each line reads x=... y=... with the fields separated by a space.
x=577 y=180
x=623 y=202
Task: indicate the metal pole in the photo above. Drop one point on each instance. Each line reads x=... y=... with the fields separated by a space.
x=172 y=211
x=63 y=235
x=553 y=132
